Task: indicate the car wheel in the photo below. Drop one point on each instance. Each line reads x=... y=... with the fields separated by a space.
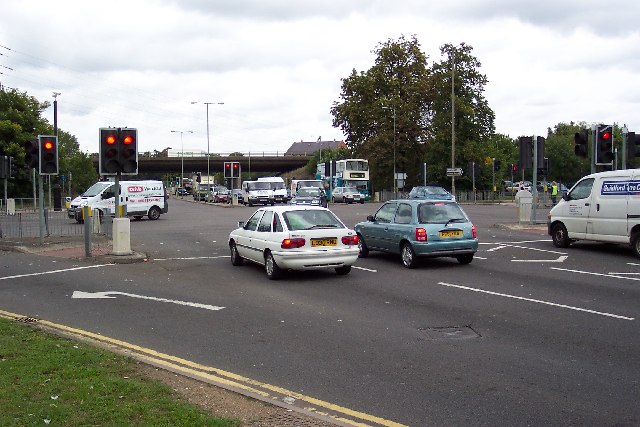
x=465 y=259
x=333 y=200
x=635 y=244
x=154 y=213
x=362 y=246
x=344 y=270
x=270 y=266
x=362 y=202
x=559 y=236
x=236 y=259
x=408 y=255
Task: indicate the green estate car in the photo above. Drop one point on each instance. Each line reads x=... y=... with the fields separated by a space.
x=417 y=228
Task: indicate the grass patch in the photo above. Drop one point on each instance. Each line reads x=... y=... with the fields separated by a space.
x=47 y=379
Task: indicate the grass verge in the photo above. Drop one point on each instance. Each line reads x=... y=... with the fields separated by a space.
x=49 y=380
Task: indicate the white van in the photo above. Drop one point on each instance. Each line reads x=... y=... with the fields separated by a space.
x=141 y=198
x=257 y=192
x=280 y=194
x=602 y=207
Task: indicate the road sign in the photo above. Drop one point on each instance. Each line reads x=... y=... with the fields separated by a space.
x=454 y=171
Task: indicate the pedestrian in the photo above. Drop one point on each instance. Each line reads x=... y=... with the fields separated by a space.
x=554 y=192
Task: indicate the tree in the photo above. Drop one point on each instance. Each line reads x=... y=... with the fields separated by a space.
x=565 y=166
x=395 y=89
x=474 y=119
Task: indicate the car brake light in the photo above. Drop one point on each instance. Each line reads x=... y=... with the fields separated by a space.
x=474 y=233
x=350 y=240
x=421 y=235
x=292 y=243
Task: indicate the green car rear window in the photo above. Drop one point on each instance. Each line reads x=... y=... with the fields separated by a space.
x=440 y=213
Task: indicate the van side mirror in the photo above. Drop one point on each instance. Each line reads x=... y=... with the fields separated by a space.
x=565 y=196
x=240 y=224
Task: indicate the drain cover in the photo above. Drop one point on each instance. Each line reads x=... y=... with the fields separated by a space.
x=450 y=333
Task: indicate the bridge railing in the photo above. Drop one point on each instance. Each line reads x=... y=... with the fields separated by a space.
x=198 y=154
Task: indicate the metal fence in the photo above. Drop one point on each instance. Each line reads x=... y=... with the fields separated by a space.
x=26 y=223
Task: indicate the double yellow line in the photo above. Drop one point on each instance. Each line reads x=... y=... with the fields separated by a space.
x=227 y=380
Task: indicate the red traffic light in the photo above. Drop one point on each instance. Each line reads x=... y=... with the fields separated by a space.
x=128 y=140
x=110 y=139
x=606 y=135
x=49 y=145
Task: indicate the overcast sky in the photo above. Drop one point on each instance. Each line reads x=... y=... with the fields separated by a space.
x=277 y=65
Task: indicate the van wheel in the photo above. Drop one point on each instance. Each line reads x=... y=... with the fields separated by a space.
x=635 y=244
x=559 y=236
x=154 y=213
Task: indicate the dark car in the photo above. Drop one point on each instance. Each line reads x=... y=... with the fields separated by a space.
x=419 y=228
x=235 y=192
x=430 y=191
x=310 y=196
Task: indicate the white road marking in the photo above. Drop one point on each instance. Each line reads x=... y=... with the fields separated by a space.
x=515 y=243
x=478 y=257
x=17 y=276
x=497 y=248
x=103 y=295
x=630 y=274
x=633 y=263
x=193 y=257
x=559 y=259
x=537 y=301
x=365 y=269
x=594 y=274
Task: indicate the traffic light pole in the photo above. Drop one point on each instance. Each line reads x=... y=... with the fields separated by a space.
x=534 y=178
x=41 y=209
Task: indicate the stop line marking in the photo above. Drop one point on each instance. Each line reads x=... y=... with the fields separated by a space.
x=537 y=301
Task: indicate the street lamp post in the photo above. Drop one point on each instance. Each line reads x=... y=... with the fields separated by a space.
x=181 y=155
x=208 y=152
x=395 y=186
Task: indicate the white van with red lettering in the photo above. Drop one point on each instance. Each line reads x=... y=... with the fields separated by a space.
x=140 y=198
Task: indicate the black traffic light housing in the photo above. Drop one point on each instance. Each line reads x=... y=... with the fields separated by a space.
x=633 y=145
x=496 y=165
x=48 y=155
x=581 y=141
x=118 y=151
x=526 y=152
x=227 y=170
x=32 y=157
x=604 y=145
x=540 y=147
x=235 y=170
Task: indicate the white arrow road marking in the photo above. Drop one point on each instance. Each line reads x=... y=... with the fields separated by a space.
x=101 y=295
x=595 y=274
x=559 y=259
x=536 y=301
x=54 y=271
x=497 y=248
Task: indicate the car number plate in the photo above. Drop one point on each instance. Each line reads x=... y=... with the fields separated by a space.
x=324 y=242
x=450 y=233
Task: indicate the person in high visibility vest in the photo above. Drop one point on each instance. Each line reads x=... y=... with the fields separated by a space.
x=554 y=192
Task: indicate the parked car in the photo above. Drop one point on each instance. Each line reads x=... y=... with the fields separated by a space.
x=201 y=193
x=419 y=228
x=294 y=238
x=181 y=192
x=346 y=195
x=310 y=196
x=430 y=191
x=218 y=194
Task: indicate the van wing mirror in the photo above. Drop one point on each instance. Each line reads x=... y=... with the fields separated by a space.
x=565 y=196
x=240 y=224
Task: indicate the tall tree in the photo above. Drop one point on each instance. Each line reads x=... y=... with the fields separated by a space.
x=393 y=95
x=474 y=119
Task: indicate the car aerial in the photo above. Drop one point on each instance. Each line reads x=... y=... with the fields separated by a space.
x=419 y=228
x=310 y=196
x=346 y=195
x=294 y=238
x=430 y=191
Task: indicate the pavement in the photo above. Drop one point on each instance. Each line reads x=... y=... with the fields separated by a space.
x=72 y=247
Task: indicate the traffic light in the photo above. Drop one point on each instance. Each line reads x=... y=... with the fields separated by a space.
x=604 y=145
x=633 y=145
x=227 y=170
x=32 y=158
x=526 y=152
x=540 y=146
x=235 y=172
x=581 y=141
x=514 y=168
x=496 y=165
x=48 y=154
x=128 y=151
x=118 y=151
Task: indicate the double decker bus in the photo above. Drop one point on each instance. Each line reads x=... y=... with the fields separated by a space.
x=353 y=173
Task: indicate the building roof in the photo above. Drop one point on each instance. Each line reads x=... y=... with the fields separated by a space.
x=303 y=148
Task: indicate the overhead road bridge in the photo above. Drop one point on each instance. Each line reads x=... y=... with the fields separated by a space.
x=255 y=162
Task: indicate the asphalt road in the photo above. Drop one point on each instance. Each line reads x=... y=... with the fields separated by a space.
x=525 y=335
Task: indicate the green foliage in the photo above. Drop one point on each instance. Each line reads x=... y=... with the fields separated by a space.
x=325 y=156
